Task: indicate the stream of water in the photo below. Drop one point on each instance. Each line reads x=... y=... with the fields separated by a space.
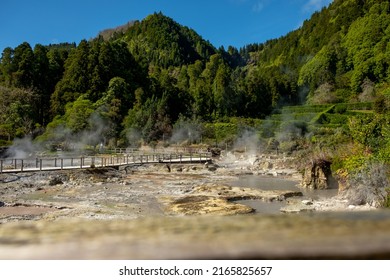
x=271 y=183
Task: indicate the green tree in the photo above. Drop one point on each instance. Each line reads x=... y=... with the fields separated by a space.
x=77 y=114
x=8 y=67
x=24 y=62
x=17 y=112
x=257 y=98
x=42 y=84
x=223 y=95
x=75 y=79
x=365 y=42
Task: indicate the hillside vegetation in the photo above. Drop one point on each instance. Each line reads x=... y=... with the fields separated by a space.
x=321 y=91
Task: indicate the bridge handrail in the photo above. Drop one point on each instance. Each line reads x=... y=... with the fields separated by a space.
x=59 y=163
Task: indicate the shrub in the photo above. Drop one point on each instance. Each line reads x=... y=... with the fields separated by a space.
x=220 y=131
x=369 y=186
x=340 y=108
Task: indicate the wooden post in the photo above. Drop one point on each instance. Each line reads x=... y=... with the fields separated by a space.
x=81 y=162
x=1 y=166
x=40 y=164
x=21 y=168
x=62 y=163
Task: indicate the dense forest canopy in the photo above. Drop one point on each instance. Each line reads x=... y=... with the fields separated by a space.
x=148 y=76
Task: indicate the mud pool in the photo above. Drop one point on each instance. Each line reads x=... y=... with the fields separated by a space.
x=274 y=183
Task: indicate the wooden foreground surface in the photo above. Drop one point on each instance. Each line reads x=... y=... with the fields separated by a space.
x=303 y=236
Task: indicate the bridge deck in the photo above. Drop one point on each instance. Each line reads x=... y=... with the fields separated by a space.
x=53 y=164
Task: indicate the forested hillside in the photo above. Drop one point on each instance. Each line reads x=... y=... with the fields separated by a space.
x=149 y=77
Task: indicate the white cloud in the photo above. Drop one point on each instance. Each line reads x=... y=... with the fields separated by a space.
x=258 y=6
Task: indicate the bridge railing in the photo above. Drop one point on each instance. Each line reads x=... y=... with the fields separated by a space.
x=173 y=150
x=59 y=163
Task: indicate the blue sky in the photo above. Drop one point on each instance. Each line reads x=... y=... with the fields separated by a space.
x=222 y=22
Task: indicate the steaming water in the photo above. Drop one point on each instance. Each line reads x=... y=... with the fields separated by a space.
x=270 y=183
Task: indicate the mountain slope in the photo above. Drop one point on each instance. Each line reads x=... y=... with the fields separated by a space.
x=159 y=40
x=342 y=50
x=342 y=54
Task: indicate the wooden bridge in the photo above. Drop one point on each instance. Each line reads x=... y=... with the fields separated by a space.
x=82 y=162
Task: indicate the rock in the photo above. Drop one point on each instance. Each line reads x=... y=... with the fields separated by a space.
x=266 y=165
x=235 y=193
x=361 y=194
x=216 y=199
x=206 y=205
x=215 y=152
x=179 y=169
x=318 y=175
x=2 y=204
x=55 y=181
x=369 y=186
x=307 y=202
x=211 y=166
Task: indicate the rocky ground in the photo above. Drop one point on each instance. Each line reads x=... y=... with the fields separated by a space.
x=140 y=191
x=176 y=211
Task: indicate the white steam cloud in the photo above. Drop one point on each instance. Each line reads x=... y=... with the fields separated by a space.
x=23 y=148
x=186 y=130
x=248 y=142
